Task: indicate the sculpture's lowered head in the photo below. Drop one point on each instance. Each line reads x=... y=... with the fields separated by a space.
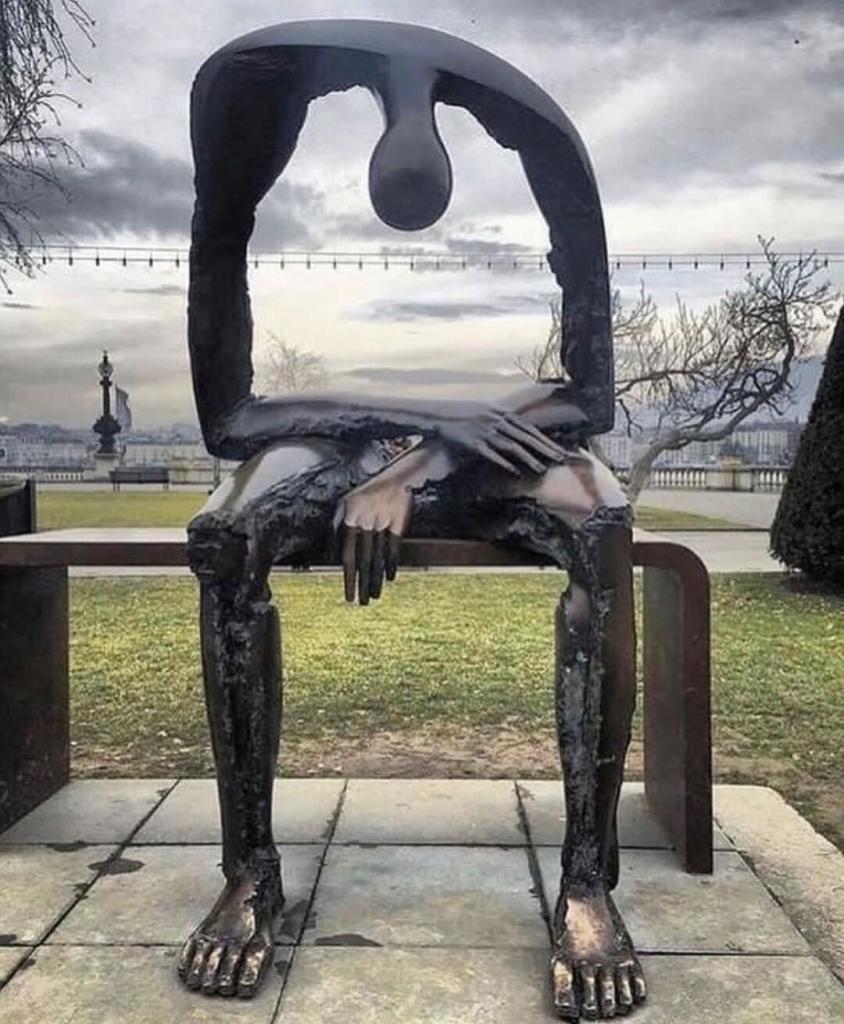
x=410 y=175
x=409 y=172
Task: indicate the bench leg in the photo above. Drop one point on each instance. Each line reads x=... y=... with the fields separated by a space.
x=678 y=746
x=34 y=713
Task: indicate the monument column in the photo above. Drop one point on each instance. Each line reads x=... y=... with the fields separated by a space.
x=106 y=457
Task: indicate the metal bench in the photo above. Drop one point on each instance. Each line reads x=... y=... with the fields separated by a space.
x=34 y=719
x=140 y=475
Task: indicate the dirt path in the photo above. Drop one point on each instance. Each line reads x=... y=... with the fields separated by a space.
x=448 y=752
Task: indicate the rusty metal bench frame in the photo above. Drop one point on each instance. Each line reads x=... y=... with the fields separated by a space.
x=35 y=751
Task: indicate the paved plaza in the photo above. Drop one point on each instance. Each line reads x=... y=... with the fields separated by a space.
x=407 y=901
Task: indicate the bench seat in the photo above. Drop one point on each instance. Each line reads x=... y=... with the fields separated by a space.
x=34 y=706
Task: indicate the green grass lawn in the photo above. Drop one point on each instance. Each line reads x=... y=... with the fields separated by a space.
x=61 y=509
x=473 y=650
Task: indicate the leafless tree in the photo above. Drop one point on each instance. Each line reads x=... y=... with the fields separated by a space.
x=289 y=368
x=35 y=62
x=696 y=376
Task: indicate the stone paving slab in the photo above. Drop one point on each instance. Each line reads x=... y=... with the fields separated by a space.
x=124 y=985
x=303 y=810
x=38 y=884
x=10 y=957
x=406 y=811
x=156 y=895
x=543 y=803
x=90 y=811
x=427 y=896
x=510 y=986
x=669 y=911
x=804 y=871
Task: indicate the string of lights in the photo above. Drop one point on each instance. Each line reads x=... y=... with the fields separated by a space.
x=70 y=254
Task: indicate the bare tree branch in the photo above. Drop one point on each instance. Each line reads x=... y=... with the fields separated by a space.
x=33 y=55
x=697 y=375
x=286 y=367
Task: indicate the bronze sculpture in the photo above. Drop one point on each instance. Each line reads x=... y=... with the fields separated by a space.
x=518 y=473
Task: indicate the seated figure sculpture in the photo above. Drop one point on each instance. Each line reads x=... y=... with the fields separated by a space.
x=516 y=473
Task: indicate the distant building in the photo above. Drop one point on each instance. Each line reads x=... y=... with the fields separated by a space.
x=31 y=450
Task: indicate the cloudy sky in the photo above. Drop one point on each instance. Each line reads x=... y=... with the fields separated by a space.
x=709 y=122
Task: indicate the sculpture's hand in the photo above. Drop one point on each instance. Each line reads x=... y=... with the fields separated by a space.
x=373 y=518
x=502 y=436
x=552 y=406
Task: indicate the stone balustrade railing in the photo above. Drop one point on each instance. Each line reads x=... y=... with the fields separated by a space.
x=719 y=478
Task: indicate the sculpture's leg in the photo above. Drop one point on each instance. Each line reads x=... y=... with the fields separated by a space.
x=595 y=972
x=231 y=949
x=277 y=505
x=576 y=514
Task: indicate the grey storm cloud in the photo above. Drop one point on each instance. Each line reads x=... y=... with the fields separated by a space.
x=126 y=186
x=429 y=376
x=404 y=311
x=157 y=289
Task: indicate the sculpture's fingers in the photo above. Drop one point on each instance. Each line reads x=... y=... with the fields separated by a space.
x=392 y=558
x=518 y=451
x=227 y=978
x=493 y=456
x=212 y=967
x=349 y=562
x=376 y=581
x=364 y=565
x=527 y=433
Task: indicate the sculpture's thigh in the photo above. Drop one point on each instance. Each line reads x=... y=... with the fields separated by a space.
x=574 y=490
x=277 y=503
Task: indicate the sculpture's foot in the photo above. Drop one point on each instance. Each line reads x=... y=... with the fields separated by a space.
x=594 y=970
x=230 y=952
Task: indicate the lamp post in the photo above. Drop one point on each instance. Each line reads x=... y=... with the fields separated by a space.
x=106 y=425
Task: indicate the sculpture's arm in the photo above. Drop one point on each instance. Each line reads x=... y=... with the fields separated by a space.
x=375 y=516
x=497 y=434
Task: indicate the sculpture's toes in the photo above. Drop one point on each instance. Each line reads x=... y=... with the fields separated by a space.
x=186 y=958
x=588 y=976
x=566 y=1002
x=586 y=991
x=228 y=974
x=256 y=959
x=637 y=980
x=211 y=971
x=192 y=972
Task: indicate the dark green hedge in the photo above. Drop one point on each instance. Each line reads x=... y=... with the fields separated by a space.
x=808 y=530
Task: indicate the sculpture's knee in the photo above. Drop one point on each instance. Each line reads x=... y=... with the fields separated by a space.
x=217 y=548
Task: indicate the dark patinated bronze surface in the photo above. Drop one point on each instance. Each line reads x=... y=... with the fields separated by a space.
x=518 y=473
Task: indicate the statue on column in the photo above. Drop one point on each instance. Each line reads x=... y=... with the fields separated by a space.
x=518 y=472
x=106 y=425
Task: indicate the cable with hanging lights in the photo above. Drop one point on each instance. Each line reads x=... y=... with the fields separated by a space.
x=71 y=253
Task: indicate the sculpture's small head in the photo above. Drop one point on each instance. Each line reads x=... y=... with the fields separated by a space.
x=409 y=173
x=410 y=176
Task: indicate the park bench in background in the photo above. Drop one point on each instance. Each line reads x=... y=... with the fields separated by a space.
x=34 y=719
x=140 y=475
